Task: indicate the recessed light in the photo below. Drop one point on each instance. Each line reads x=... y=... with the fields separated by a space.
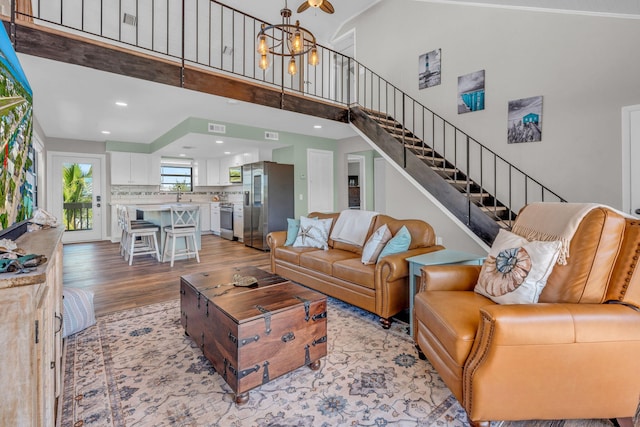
x=106 y=132
x=227 y=152
x=219 y=142
x=182 y=155
x=317 y=127
x=121 y=104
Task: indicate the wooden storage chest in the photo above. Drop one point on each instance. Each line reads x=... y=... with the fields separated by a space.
x=256 y=335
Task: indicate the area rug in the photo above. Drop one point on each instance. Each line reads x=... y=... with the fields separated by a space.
x=137 y=368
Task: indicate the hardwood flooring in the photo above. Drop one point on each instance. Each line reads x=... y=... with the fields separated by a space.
x=98 y=266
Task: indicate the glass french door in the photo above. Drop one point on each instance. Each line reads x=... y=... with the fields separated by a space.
x=75 y=196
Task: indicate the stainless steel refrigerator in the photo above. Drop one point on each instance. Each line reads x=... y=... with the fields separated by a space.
x=268 y=200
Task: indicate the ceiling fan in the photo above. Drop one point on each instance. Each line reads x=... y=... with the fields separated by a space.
x=324 y=5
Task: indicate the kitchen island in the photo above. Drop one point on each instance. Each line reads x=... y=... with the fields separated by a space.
x=161 y=216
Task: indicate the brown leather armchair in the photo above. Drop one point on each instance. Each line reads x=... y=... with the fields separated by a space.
x=573 y=355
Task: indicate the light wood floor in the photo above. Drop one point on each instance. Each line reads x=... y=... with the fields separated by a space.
x=99 y=267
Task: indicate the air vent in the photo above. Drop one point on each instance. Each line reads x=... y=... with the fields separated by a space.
x=271 y=135
x=130 y=19
x=217 y=128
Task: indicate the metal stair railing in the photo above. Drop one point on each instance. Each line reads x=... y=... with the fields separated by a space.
x=483 y=172
x=210 y=35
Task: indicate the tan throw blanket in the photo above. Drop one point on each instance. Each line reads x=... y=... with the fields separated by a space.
x=352 y=226
x=552 y=221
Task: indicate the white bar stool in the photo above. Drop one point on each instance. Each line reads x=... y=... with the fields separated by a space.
x=148 y=243
x=184 y=223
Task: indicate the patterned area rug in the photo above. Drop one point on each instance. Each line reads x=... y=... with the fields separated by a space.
x=137 y=368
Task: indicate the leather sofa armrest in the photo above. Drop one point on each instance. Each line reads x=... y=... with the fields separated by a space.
x=396 y=266
x=449 y=277
x=547 y=352
x=534 y=324
x=276 y=239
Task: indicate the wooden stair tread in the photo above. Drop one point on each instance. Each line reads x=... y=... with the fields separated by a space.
x=407 y=138
x=430 y=158
x=457 y=181
x=478 y=195
x=493 y=208
x=386 y=120
x=441 y=169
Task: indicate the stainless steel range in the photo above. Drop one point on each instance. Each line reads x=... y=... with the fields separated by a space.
x=226 y=221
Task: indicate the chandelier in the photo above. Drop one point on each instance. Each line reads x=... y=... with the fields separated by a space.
x=286 y=40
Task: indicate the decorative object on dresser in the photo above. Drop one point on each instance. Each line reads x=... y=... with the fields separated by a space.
x=381 y=288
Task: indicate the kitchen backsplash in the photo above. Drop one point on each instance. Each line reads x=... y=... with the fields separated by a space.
x=150 y=194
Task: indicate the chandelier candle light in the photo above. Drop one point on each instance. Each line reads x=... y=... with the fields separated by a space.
x=288 y=40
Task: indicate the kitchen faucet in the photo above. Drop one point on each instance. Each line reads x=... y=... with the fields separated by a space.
x=179 y=195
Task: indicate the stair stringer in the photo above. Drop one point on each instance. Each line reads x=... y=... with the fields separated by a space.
x=466 y=214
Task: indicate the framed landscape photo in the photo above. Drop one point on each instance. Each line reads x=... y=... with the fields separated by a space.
x=525 y=120
x=429 y=69
x=471 y=92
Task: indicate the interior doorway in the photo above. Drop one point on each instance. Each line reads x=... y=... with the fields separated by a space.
x=320 y=180
x=356 y=182
x=75 y=194
x=631 y=160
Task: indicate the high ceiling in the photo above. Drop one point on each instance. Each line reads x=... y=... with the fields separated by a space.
x=73 y=102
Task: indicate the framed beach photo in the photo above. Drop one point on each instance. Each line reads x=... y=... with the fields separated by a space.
x=525 y=120
x=429 y=69
x=471 y=92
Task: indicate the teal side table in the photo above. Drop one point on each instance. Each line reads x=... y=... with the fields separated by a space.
x=443 y=257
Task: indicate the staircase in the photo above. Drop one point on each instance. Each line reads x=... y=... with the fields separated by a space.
x=480 y=188
x=486 y=202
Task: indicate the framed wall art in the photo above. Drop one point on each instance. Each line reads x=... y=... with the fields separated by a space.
x=525 y=120
x=429 y=69
x=471 y=92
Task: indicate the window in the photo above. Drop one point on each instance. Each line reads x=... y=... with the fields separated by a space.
x=176 y=174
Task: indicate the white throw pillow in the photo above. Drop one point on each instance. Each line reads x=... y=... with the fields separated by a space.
x=516 y=270
x=313 y=233
x=375 y=244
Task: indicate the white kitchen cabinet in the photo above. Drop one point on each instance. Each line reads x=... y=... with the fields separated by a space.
x=213 y=171
x=134 y=169
x=215 y=218
x=238 y=221
x=205 y=218
x=200 y=173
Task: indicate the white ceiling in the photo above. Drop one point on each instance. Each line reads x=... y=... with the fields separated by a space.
x=74 y=102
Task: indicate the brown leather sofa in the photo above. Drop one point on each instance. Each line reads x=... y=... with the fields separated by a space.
x=573 y=355
x=381 y=288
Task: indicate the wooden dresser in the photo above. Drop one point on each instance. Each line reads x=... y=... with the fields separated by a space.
x=31 y=335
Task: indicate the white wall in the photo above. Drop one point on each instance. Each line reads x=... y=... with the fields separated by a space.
x=586 y=68
x=405 y=201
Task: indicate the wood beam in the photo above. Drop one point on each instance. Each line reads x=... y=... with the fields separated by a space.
x=72 y=49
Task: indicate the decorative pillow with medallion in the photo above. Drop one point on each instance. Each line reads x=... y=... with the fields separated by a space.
x=313 y=233
x=516 y=270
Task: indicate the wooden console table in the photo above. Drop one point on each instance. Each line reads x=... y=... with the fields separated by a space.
x=31 y=335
